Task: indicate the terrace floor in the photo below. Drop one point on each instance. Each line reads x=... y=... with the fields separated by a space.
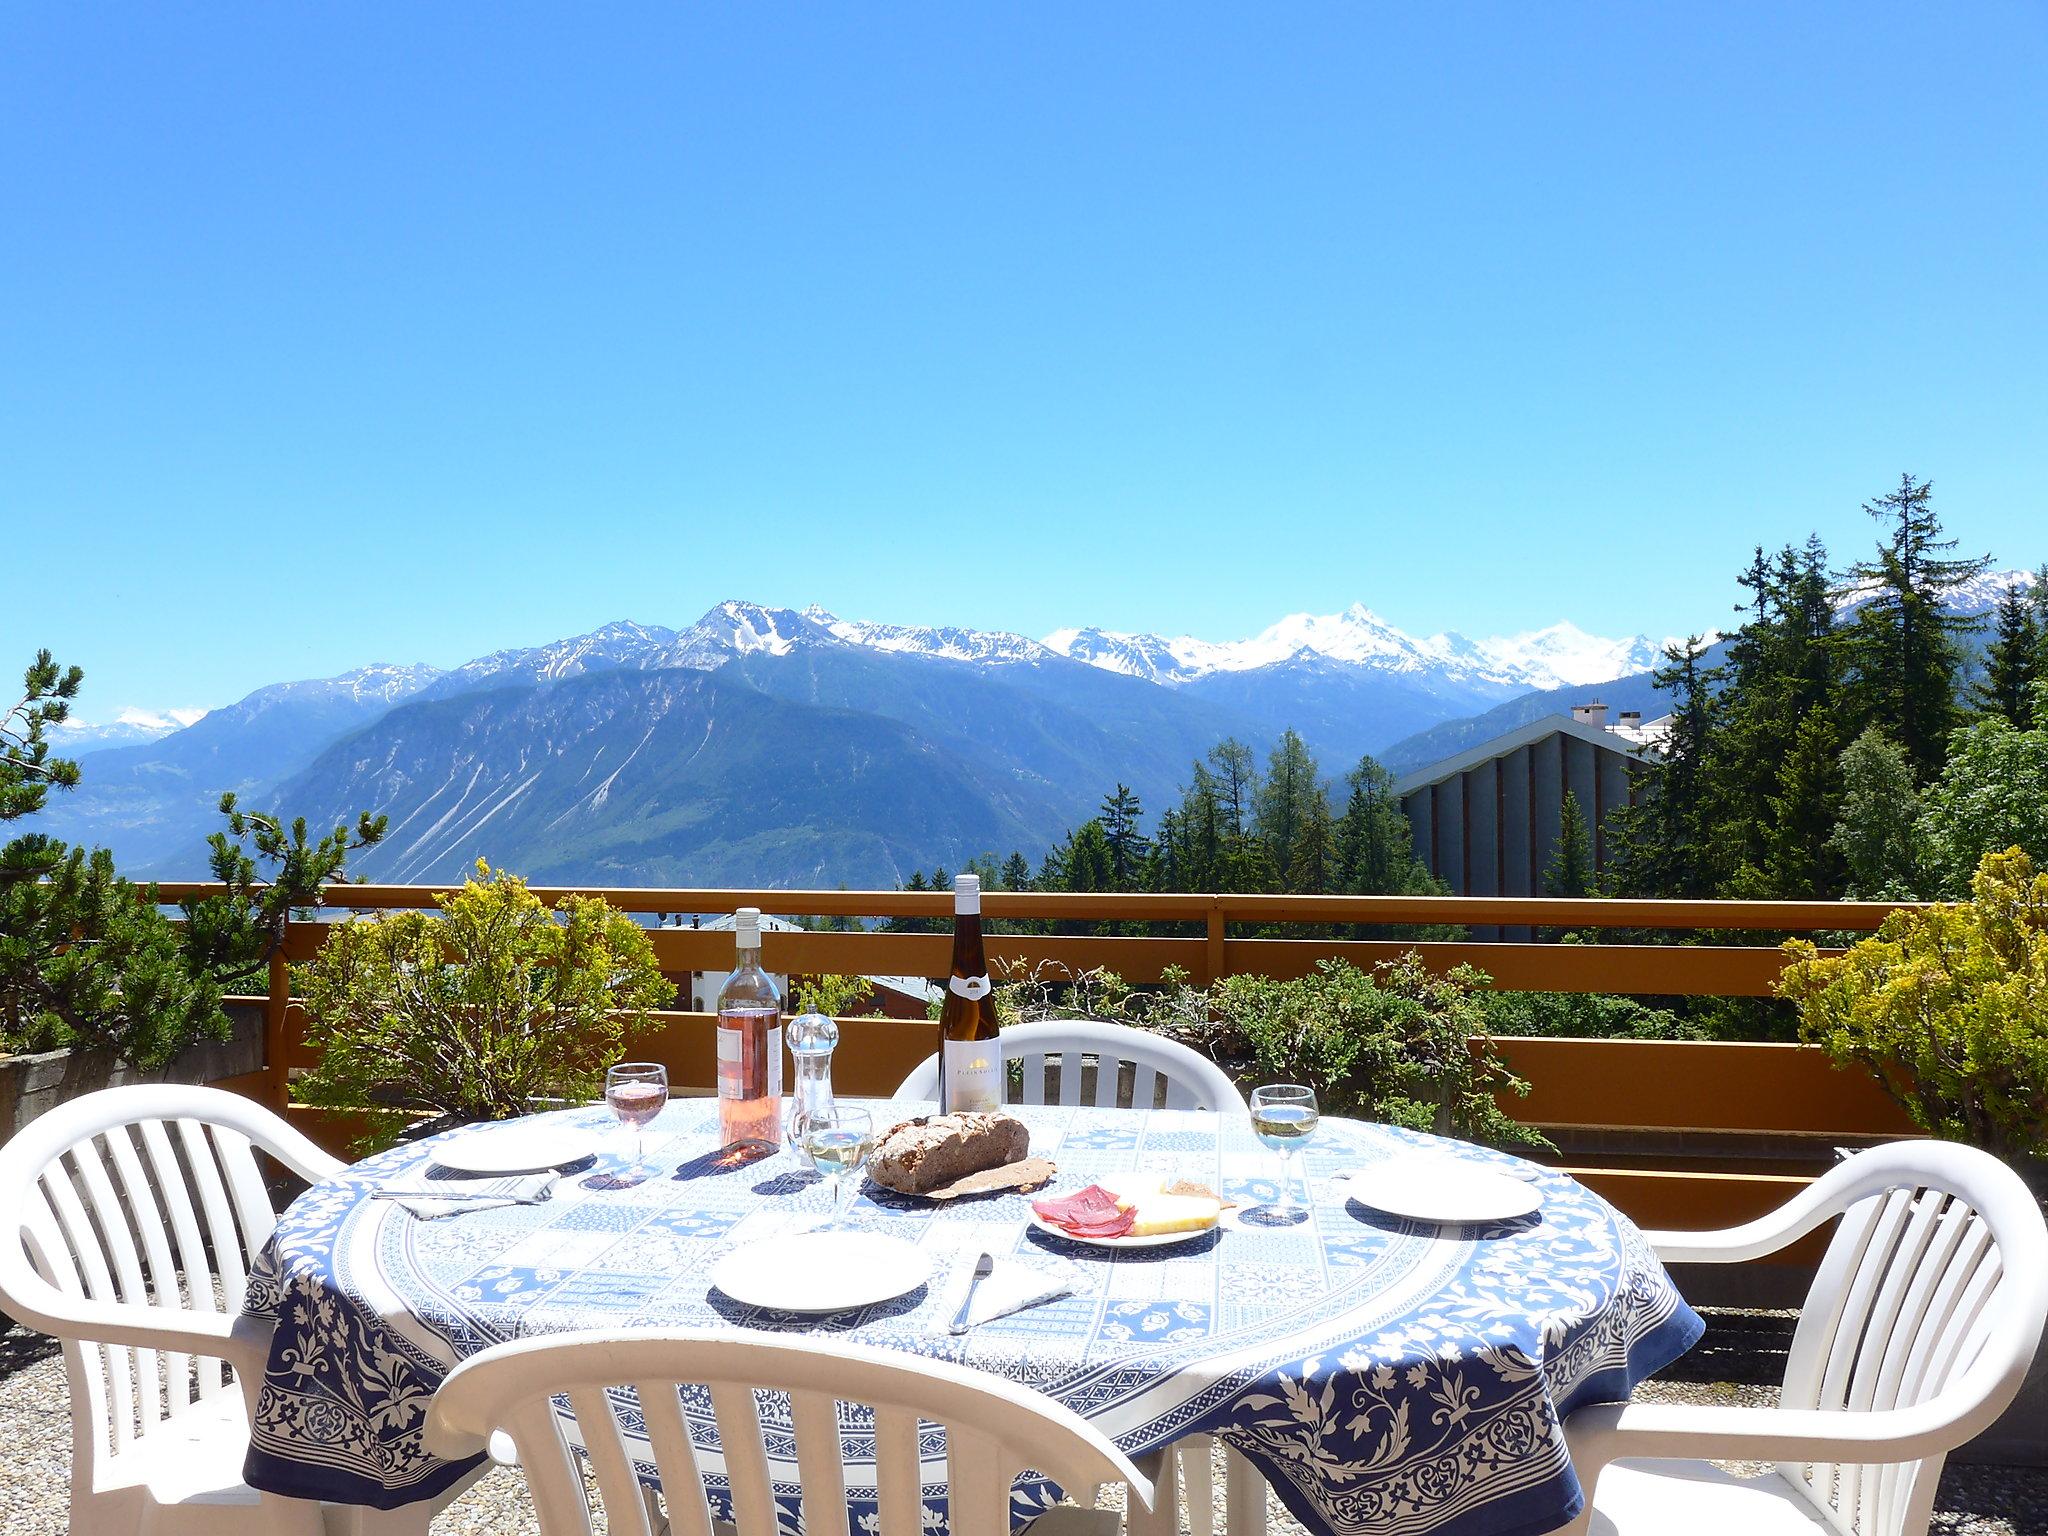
x=1738 y=1361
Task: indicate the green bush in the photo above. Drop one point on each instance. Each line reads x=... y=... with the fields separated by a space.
x=1584 y=1016
x=1399 y=1045
x=490 y=1010
x=1948 y=1006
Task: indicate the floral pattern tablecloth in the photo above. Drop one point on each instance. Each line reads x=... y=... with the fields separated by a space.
x=1387 y=1377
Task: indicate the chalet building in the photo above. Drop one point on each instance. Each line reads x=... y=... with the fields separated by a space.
x=1485 y=820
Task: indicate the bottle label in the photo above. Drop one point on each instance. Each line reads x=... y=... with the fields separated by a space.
x=973 y=1075
x=974 y=988
x=740 y=1074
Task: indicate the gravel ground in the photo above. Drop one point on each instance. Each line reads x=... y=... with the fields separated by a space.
x=1741 y=1355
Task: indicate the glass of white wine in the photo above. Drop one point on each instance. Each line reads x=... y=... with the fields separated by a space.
x=837 y=1142
x=1284 y=1117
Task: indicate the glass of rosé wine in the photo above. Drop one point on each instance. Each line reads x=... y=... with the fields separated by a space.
x=636 y=1092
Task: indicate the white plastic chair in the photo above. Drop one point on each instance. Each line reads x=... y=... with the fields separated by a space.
x=994 y=1430
x=128 y=1221
x=1184 y=1078
x=1921 y=1324
x=1190 y=1080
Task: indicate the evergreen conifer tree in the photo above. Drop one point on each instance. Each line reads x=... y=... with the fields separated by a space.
x=2013 y=661
x=1121 y=815
x=1801 y=859
x=1570 y=870
x=1902 y=645
x=1664 y=841
x=1281 y=806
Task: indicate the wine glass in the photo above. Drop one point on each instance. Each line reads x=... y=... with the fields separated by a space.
x=837 y=1142
x=636 y=1092
x=1284 y=1118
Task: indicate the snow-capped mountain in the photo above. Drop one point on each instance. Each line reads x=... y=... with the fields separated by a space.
x=1560 y=655
x=129 y=727
x=986 y=647
x=1978 y=594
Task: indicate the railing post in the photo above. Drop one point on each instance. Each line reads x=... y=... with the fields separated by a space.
x=1214 y=953
x=275 y=1006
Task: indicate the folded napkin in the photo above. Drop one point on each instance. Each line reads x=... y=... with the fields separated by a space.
x=451 y=1197
x=1011 y=1286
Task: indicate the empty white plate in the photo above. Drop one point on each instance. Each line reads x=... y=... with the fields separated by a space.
x=515 y=1148
x=1442 y=1190
x=821 y=1271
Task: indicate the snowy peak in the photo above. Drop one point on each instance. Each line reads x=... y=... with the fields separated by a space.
x=618 y=644
x=1978 y=594
x=984 y=647
x=1564 y=655
x=1547 y=658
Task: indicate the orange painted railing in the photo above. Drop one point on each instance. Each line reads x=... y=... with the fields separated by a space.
x=1670 y=1088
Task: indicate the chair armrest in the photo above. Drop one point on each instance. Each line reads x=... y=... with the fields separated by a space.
x=290 y=1146
x=241 y=1340
x=1605 y=1432
x=1770 y=1232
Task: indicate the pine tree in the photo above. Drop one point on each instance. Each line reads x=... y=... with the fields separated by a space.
x=1016 y=873
x=1801 y=860
x=1903 y=646
x=1664 y=841
x=1570 y=870
x=1281 y=805
x=1088 y=863
x=2013 y=661
x=1121 y=815
x=1311 y=866
x=1372 y=837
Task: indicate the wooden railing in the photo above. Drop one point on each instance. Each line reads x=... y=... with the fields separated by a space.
x=1671 y=1090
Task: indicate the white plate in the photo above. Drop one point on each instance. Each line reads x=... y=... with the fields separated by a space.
x=1149 y=1240
x=1441 y=1190
x=821 y=1271
x=515 y=1148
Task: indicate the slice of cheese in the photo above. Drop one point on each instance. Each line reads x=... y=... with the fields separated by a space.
x=1174 y=1213
x=1157 y=1212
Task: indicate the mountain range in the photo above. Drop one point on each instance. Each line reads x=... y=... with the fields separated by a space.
x=765 y=745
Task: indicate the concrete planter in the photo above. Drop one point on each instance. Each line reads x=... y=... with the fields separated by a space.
x=34 y=1085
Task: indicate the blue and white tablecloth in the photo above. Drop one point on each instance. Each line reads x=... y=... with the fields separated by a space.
x=1386 y=1377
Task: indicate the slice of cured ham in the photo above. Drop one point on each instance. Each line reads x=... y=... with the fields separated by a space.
x=1092 y=1212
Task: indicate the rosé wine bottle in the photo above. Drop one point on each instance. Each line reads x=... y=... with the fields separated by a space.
x=749 y=1049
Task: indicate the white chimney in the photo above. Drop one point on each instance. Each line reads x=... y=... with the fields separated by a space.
x=1591 y=714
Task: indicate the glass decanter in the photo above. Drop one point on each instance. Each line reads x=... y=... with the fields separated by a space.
x=811 y=1037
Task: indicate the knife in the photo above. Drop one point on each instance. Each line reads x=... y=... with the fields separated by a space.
x=983 y=1268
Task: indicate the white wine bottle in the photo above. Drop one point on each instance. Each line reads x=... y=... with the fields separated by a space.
x=970 y=1051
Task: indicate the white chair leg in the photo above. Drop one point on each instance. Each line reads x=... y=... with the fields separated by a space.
x=1164 y=1516
x=1244 y=1496
x=1198 y=1483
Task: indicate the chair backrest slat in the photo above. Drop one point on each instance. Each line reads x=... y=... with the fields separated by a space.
x=977 y=1481
x=618 y=1485
x=675 y=1458
x=221 y=1236
x=97 y=1280
x=117 y=1240
x=899 y=1484
x=148 y=1220
x=253 y=1212
x=1031 y=1080
x=815 y=1418
x=194 y=1262
x=746 y=1459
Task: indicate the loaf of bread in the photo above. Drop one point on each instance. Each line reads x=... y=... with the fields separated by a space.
x=924 y=1154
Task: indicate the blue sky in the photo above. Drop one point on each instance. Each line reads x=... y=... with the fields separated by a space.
x=408 y=332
